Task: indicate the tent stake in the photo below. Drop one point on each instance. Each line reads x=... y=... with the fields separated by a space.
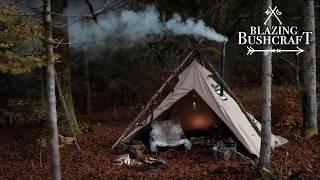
x=154 y=97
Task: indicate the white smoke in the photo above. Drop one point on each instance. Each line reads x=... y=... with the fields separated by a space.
x=192 y=27
x=131 y=26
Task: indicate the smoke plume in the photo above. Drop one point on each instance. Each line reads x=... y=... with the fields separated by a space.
x=130 y=27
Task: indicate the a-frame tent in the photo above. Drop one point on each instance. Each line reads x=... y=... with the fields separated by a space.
x=198 y=79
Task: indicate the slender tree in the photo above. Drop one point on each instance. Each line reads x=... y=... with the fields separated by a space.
x=64 y=67
x=52 y=110
x=309 y=94
x=265 y=149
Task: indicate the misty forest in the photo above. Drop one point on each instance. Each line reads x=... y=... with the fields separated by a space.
x=159 y=89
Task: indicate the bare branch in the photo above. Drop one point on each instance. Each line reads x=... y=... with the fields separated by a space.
x=94 y=17
x=58 y=44
x=90 y=15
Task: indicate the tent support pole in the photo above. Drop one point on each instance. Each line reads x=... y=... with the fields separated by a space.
x=228 y=90
x=154 y=97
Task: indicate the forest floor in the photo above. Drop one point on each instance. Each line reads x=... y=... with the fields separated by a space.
x=20 y=153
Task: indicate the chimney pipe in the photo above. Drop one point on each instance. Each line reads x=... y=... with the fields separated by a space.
x=223 y=54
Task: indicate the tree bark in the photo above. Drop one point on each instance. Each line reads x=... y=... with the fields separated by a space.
x=64 y=67
x=52 y=111
x=44 y=96
x=65 y=80
x=309 y=94
x=297 y=71
x=266 y=78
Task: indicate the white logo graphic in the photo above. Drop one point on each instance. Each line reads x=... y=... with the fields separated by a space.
x=251 y=50
x=275 y=35
x=273 y=12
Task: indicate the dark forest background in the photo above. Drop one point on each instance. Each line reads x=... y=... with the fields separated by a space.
x=106 y=83
x=127 y=77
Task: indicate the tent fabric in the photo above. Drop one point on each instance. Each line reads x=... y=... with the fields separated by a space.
x=193 y=113
x=197 y=78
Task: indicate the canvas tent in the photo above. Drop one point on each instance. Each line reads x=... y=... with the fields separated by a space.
x=196 y=80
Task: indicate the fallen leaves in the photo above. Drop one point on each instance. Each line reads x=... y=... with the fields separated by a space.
x=19 y=147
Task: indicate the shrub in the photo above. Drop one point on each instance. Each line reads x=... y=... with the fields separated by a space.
x=24 y=111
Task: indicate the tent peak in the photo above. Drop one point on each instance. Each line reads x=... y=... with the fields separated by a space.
x=195 y=67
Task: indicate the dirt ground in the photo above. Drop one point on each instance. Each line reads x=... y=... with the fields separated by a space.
x=20 y=156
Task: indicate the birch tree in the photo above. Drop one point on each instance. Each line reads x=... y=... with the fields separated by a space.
x=266 y=78
x=309 y=94
x=52 y=110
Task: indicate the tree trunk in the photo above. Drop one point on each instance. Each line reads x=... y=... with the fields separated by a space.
x=265 y=149
x=66 y=110
x=64 y=67
x=309 y=94
x=65 y=80
x=44 y=96
x=52 y=111
x=297 y=71
x=87 y=79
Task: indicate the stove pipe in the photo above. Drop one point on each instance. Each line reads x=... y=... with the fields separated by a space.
x=223 y=55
